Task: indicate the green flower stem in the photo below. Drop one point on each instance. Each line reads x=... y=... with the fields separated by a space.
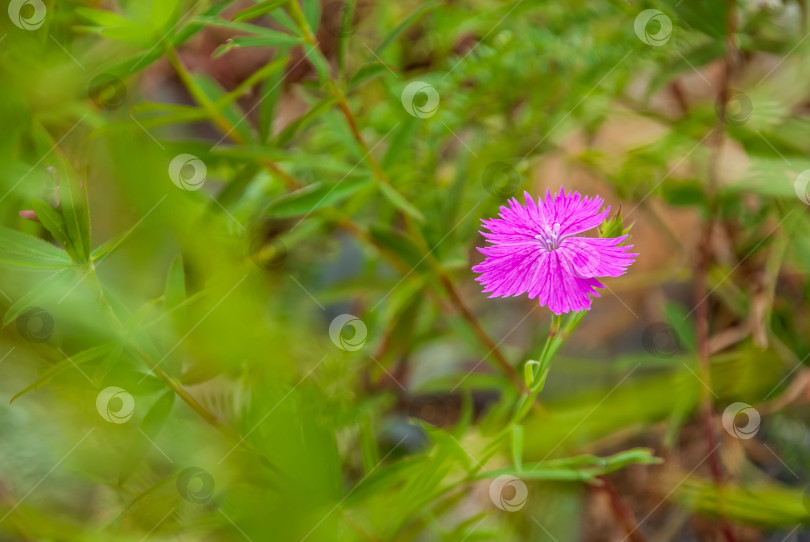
x=556 y=338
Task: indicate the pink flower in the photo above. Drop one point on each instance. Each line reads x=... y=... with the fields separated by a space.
x=535 y=249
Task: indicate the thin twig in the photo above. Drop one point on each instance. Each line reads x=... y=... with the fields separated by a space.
x=702 y=270
x=621 y=511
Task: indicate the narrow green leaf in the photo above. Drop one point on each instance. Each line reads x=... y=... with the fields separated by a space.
x=392 y=195
x=52 y=221
x=106 y=365
x=258 y=10
x=284 y=19
x=47 y=288
x=320 y=63
x=175 y=291
x=321 y=106
x=79 y=359
x=104 y=251
x=280 y=39
x=241 y=27
x=259 y=76
x=74 y=209
x=368 y=445
x=214 y=92
x=152 y=423
x=312 y=13
x=270 y=94
x=368 y=72
x=517 y=446
x=254 y=152
x=399 y=244
x=19 y=249
x=409 y=20
x=315 y=196
x=400 y=141
x=682 y=326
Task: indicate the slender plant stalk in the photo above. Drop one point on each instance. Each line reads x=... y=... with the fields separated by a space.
x=702 y=270
x=173 y=384
x=219 y=119
x=444 y=279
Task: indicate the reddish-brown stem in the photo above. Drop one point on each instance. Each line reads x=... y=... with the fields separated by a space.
x=702 y=270
x=482 y=335
x=621 y=511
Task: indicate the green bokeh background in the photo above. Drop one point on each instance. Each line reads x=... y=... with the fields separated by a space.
x=328 y=193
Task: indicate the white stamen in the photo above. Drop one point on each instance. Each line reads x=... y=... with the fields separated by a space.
x=550 y=237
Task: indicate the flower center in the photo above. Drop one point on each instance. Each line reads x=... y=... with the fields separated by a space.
x=550 y=238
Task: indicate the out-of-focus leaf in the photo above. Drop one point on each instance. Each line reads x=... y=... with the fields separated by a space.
x=400 y=245
x=279 y=40
x=259 y=76
x=406 y=22
x=323 y=105
x=770 y=176
x=214 y=92
x=392 y=195
x=368 y=73
x=175 y=291
x=52 y=221
x=256 y=30
x=517 y=446
x=270 y=92
x=684 y=327
x=319 y=62
x=684 y=193
x=74 y=208
x=584 y=467
x=107 y=364
x=85 y=356
x=21 y=250
x=151 y=425
x=50 y=287
x=768 y=504
x=315 y=196
x=400 y=141
x=247 y=152
x=258 y=10
x=312 y=13
x=106 y=249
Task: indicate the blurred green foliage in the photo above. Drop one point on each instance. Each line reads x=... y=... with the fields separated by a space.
x=185 y=218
